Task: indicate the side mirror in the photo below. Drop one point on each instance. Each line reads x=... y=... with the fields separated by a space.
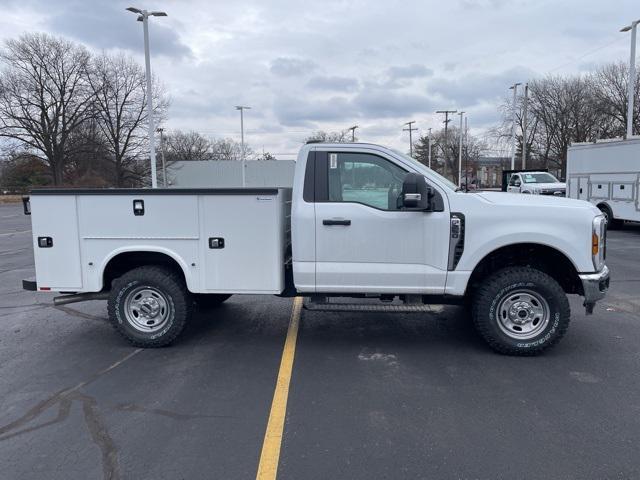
x=416 y=194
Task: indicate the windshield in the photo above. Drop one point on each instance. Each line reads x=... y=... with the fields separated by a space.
x=422 y=167
x=539 y=178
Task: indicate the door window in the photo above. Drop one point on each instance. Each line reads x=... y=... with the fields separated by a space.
x=364 y=178
x=514 y=179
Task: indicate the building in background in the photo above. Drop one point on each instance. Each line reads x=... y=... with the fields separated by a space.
x=221 y=174
x=488 y=171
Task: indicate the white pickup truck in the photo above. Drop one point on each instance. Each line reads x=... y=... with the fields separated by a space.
x=536 y=183
x=362 y=221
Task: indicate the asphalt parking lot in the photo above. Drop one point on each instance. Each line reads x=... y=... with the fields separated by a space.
x=371 y=395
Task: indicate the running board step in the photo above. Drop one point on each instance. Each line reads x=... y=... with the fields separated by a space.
x=359 y=307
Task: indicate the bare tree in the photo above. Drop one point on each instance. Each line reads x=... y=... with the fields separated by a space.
x=266 y=156
x=609 y=87
x=342 y=136
x=121 y=107
x=472 y=150
x=190 y=146
x=229 y=149
x=562 y=110
x=44 y=96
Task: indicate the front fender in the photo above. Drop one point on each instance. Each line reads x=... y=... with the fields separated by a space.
x=484 y=237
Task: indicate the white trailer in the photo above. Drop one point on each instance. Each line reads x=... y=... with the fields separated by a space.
x=607 y=174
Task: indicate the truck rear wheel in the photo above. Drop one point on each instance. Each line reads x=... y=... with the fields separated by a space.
x=149 y=306
x=520 y=311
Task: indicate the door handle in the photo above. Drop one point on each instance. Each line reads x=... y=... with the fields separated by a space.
x=344 y=223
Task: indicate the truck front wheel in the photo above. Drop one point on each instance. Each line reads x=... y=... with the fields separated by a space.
x=520 y=311
x=149 y=306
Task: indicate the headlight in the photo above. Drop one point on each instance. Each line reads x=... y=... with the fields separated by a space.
x=598 y=242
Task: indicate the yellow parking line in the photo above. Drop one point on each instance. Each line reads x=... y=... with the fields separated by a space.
x=268 y=466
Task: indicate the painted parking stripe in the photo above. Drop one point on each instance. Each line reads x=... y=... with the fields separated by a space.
x=268 y=466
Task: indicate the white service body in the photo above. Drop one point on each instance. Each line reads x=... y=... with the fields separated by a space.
x=607 y=173
x=90 y=228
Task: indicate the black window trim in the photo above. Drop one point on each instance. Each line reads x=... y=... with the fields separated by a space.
x=316 y=181
x=322 y=178
x=308 y=192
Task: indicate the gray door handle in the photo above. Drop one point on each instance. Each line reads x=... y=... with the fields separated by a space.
x=344 y=223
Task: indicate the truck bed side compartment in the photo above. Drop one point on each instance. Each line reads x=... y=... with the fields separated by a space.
x=58 y=261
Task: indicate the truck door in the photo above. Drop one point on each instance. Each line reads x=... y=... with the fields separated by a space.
x=364 y=241
x=514 y=184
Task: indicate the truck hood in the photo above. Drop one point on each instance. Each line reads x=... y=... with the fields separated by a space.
x=519 y=200
x=543 y=186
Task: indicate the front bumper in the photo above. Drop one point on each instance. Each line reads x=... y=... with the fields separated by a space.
x=595 y=286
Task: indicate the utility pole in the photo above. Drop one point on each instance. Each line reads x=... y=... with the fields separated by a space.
x=429 y=143
x=446 y=138
x=353 y=132
x=164 y=165
x=466 y=154
x=143 y=16
x=461 y=133
x=632 y=76
x=243 y=153
x=410 y=129
x=524 y=126
x=513 y=87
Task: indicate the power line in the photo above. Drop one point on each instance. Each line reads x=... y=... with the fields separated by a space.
x=590 y=52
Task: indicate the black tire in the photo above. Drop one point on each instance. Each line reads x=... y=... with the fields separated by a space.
x=126 y=306
x=612 y=223
x=490 y=306
x=206 y=301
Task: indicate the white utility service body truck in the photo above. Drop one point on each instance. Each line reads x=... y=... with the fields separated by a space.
x=361 y=221
x=607 y=174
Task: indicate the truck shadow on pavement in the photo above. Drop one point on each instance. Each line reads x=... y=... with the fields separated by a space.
x=445 y=328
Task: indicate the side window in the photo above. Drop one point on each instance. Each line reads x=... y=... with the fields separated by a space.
x=364 y=178
x=514 y=179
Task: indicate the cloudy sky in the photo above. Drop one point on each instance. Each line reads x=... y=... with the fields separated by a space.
x=309 y=65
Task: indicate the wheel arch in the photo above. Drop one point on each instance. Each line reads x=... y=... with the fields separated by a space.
x=124 y=259
x=536 y=255
x=604 y=204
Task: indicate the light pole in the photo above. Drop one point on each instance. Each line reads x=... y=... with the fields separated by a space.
x=164 y=165
x=410 y=129
x=524 y=126
x=460 y=151
x=353 y=133
x=143 y=16
x=429 y=144
x=513 y=87
x=632 y=76
x=244 y=159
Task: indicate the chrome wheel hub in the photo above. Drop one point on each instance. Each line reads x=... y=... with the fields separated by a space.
x=147 y=309
x=522 y=314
